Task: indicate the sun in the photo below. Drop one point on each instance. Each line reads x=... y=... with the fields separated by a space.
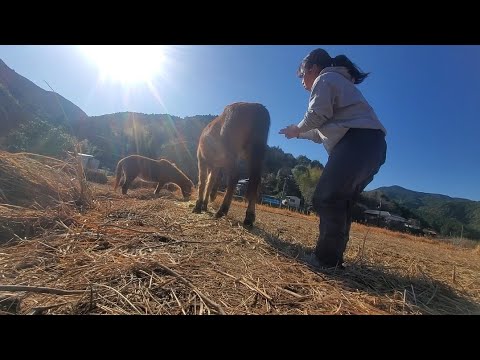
x=127 y=64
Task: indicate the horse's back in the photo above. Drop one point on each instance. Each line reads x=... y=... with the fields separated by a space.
x=141 y=166
x=245 y=123
x=244 y=118
x=240 y=130
x=132 y=164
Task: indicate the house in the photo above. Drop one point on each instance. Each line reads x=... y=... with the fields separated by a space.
x=89 y=162
x=241 y=187
x=413 y=229
x=385 y=219
x=429 y=232
x=375 y=213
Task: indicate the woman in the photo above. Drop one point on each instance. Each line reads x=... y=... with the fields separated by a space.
x=340 y=118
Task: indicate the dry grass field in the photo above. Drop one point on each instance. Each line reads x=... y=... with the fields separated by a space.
x=149 y=254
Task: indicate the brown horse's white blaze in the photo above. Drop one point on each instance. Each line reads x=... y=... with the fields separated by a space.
x=159 y=171
x=240 y=132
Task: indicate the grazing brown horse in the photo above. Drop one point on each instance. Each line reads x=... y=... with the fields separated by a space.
x=240 y=132
x=159 y=171
x=172 y=187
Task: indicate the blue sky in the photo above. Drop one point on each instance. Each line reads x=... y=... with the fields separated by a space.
x=427 y=97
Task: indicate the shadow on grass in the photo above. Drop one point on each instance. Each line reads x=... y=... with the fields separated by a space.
x=419 y=294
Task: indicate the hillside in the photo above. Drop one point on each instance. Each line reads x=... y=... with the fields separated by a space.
x=22 y=100
x=414 y=199
x=12 y=113
x=449 y=216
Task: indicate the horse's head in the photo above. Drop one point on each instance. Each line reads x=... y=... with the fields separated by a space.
x=187 y=190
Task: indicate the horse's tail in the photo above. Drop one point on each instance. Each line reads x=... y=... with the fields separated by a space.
x=118 y=174
x=258 y=151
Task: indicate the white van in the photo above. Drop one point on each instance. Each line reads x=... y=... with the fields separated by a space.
x=291 y=201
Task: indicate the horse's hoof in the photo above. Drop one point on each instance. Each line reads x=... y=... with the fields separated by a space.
x=248 y=222
x=197 y=210
x=219 y=214
x=249 y=219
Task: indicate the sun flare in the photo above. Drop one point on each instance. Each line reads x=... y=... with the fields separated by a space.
x=127 y=64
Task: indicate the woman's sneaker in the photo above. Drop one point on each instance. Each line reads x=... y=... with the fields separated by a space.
x=312 y=260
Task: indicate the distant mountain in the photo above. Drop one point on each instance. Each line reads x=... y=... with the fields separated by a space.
x=21 y=100
x=447 y=215
x=414 y=199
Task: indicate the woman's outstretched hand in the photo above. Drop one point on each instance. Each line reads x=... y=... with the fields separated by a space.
x=291 y=131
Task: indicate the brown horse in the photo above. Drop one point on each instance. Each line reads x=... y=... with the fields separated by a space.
x=159 y=171
x=172 y=187
x=240 y=132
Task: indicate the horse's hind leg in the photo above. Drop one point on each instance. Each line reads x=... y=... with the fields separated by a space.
x=127 y=183
x=255 y=178
x=252 y=193
x=122 y=180
x=212 y=176
x=216 y=185
x=159 y=187
x=227 y=200
x=252 y=199
x=202 y=177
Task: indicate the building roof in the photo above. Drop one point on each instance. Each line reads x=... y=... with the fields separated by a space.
x=377 y=212
x=385 y=214
x=85 y=155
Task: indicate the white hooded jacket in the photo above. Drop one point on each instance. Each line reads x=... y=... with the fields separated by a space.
x=335 y=106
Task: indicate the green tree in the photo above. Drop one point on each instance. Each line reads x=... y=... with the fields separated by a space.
x=303 y=160
x=276 y=158
x=307 y=179
x=40 y=137
x=286 y=184
x=316 y=163
x=269 y=184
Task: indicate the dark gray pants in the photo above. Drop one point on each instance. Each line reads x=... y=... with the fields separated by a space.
x=351 y=166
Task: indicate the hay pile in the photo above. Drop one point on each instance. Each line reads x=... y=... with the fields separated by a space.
x=35 y=192
x=144 y=254
x=34 y=181
x=17 y=223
